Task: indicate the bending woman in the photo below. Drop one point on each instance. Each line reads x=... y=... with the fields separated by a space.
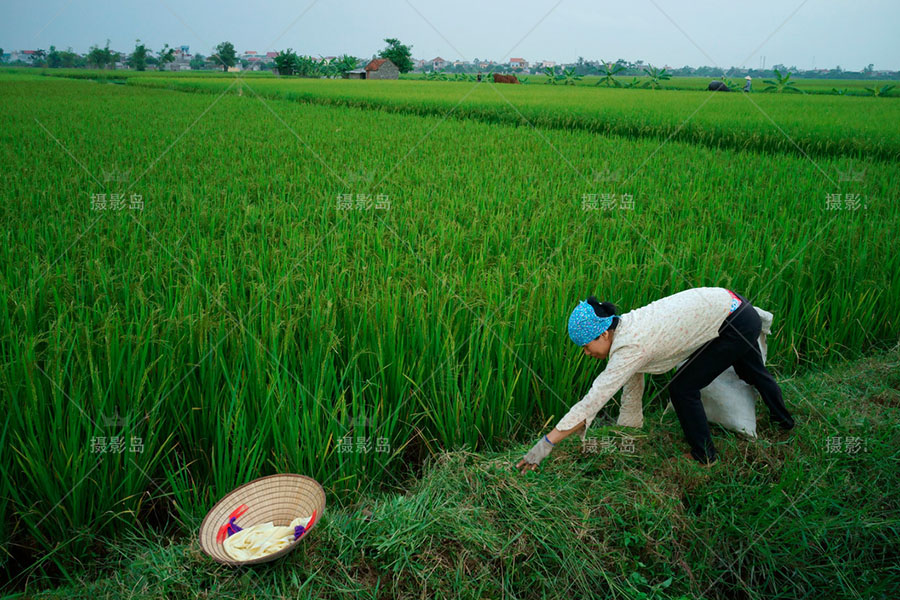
x=711 y=328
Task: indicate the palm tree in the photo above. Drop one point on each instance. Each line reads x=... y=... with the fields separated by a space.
x=656 y=77
x=781 y=83
x=608 y=72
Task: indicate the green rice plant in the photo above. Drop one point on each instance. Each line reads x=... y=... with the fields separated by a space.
x=720 y=121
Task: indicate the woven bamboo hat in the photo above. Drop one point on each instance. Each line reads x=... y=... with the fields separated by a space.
x=276 y=498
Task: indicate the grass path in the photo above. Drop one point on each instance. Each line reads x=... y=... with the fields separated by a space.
x=790 y=515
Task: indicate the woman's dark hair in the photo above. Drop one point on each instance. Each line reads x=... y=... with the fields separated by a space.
x=604 y=309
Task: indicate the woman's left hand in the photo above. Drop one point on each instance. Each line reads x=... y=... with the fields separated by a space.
x=539 y=452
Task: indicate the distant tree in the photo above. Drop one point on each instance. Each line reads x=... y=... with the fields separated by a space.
x=101 y=57
x=166 y=55
x=71 y=59
x=308 y=66
x=39 y=58
x=581 y=66
x=197 y=62
x=286 y=62
x=225 y=55
x=54 y=60
x=399 y=54
x=138 y=58
x=344 y=63
x=870 y=68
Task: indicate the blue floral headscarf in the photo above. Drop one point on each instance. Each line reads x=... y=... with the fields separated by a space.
x=585 y=325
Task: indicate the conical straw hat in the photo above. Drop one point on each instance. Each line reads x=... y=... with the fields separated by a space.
x=276 y=498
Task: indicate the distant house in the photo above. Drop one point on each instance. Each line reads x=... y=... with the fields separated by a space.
x=382 y=68
x=438 y=63
x=271 y=56
x=23 y=55
x=548 y=64
x=518 y=63
x=419 y=63
x=379 y=68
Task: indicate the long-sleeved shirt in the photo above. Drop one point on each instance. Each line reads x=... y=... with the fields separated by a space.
x=651 y=339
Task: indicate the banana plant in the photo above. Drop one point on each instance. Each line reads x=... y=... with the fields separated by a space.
x=781 y=83
x=551 y=75
x=436 y=75
x=286 y=62
x=343 y=64
x=569 y=77
x=634 y=83
x=656 y=76
x=608 y=73
x=880 y=91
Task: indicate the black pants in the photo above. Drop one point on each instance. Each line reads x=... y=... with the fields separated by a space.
x=735 y=346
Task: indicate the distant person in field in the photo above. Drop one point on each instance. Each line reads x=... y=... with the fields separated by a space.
x=712 y=328
x=747 y=85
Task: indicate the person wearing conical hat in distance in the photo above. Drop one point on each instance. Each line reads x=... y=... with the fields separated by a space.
x=747 y=85
x=711 y=328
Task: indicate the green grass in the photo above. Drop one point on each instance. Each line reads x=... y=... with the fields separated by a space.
x=778 y=517
x=241 y=323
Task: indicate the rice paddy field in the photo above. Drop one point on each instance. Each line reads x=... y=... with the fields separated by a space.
x=209 y=279
x=810 y=85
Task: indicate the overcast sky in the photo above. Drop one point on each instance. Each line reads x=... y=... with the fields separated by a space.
x=810 y=33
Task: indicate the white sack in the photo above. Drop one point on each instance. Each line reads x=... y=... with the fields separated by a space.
x=728 y=400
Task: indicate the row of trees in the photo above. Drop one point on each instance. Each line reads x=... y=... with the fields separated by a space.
x=653 y=78
x=286 y=63
x=638 y=68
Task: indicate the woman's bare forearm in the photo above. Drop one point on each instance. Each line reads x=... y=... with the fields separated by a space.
x=557 y=436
